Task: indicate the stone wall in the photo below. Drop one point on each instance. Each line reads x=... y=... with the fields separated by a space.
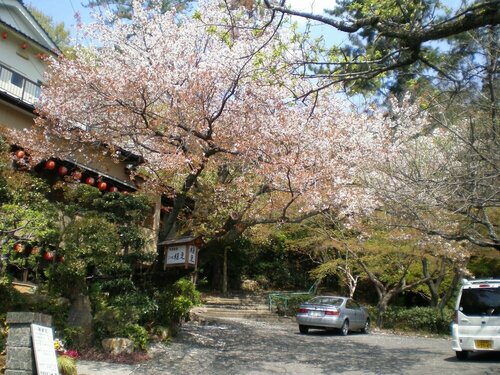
x=20 y=354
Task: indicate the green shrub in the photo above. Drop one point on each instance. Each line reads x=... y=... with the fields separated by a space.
x=289 y=304
x=137 y=334
x=423 y=319
x=176 y=302
x=71 y=336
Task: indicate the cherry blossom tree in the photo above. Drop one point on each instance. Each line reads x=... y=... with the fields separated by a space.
x=209 y=108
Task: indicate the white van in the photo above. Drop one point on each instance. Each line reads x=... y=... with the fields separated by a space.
x=476 y=323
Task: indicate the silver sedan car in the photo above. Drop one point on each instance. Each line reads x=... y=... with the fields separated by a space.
x=326 y=312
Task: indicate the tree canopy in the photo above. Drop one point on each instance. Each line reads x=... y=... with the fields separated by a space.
x=390 y=40
x=213 y=108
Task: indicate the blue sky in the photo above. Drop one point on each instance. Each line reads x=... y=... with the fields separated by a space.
x=61 y=10
x=64 y=10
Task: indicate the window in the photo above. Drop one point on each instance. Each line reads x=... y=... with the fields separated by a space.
x=480 y=301
x=17 y=79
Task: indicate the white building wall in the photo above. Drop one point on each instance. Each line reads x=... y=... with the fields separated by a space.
x=23 y=61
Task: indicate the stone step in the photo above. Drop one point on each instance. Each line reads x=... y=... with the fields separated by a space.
x=259 y=307
x=237 y=301
x=204 y=313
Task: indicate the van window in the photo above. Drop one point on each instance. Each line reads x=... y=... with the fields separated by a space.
x=480 y=301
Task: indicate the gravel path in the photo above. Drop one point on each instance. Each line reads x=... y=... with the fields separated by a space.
x=239 y=346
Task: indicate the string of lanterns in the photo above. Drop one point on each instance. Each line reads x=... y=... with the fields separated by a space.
x=76 y=175
x=42 y=56
x=27 y=250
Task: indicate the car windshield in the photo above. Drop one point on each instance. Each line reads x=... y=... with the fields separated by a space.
x=480 y=301
x=335 y=301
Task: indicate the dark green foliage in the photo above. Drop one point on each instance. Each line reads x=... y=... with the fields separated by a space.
x=270 y=262
x=126 y=212
x=416 y=319
x=136 y=333
x=485 y=265
x=175 y=302
x=289 y=304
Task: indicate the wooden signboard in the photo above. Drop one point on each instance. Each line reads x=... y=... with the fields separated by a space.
x=176 y=255
x=181 y=252
x=45 y=353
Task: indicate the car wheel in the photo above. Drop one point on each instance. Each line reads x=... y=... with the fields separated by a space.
x=463 y=355
x=366 y=328
x=344 y=330
x=303 y=329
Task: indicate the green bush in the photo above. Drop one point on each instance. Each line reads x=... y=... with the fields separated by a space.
x=176 y=302
x=137 y=334
x=289 y=304
x=421 y=319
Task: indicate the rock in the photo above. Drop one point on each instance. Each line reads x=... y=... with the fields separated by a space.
x=161 y=334
x=250 y=285
x=118 y=345
x=80 y=317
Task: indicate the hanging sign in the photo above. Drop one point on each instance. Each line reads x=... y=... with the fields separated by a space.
x=176 y=255
x=181 y=252
x=45 y=353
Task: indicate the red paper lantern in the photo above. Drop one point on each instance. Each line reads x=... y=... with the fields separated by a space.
x=48 y=256
x=24 y=45
x=20 y=154
x=61 y=259
x=34 y=250
x=18 y=247
x=113 y=189
x=90 y=181
x=101 y=185
x=5 y=35
x=77 y=175
x=50 y=165
x=62 y=171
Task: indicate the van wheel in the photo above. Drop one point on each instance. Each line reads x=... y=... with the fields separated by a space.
x=303 y=329
x=463 y=355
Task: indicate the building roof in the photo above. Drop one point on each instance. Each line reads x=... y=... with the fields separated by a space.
x=180 y=240
x=18 y=18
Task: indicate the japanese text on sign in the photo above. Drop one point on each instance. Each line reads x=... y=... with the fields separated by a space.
x=192 y=255
x=45 y=354
x=176 y=255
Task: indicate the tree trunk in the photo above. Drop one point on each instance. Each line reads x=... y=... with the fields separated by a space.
x=224 y=272
x=382 y=304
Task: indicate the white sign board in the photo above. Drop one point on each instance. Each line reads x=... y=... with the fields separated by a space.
x=45 y=353
x=192 y=254
x=176 y=255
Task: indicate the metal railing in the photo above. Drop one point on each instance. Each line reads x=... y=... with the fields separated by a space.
x=18 y=86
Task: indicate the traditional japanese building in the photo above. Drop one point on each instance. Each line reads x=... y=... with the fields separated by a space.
x=24 y=47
